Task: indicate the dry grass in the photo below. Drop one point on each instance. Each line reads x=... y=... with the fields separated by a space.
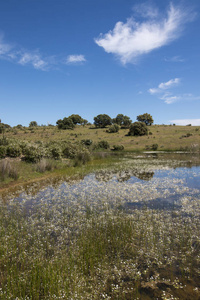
x=167 y=137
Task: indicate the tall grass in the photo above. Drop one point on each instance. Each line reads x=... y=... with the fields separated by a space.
x=8 y=170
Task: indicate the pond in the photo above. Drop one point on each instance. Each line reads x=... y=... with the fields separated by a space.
x=145 y=211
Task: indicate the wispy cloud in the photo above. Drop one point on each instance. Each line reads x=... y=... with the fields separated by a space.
x=75 y=59
x=34 y=58
x=177 y=59
x=164 y=86
x=130 y=40
x=194 y=122
x=164 y=92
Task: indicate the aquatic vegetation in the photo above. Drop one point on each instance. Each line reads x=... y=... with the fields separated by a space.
x=128 y=232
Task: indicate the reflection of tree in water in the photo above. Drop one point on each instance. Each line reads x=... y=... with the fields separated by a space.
x=123 y=175
x=144 y=175
x=104 y=175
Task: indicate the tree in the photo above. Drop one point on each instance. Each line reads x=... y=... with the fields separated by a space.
x=138 y=129
x=122 y=120
x=33 y=124
x=145 y=118
x=76 y=119
x=66 y=123
x=102 y=120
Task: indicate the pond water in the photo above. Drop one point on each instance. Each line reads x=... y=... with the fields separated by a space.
x=155 y=181
x=127 y=231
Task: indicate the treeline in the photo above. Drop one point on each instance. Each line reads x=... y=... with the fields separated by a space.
x=104 y=120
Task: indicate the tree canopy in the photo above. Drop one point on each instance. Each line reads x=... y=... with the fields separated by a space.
x=76 y=119
x=145 y=118
x=65 y=123
x=102 y=120
x=33 y=124
x=122 y=120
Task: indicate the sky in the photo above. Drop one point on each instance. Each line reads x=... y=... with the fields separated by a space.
x=63 y=57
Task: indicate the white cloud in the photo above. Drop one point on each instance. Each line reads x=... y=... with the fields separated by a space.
x=194 y=122
x=168 y=84
x=130 y=40
x=74 y=59
x=163 y=91
x=164 y=86
x=34 y=60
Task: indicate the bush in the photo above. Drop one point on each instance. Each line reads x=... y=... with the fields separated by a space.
x=118 y=148
x=13 y=150
x=87 y=142
x=2 y=151
x=138 y=129
x=113 y=128
x=82 y=157
x=55 y=152
x=102 y=144
x=33 y=153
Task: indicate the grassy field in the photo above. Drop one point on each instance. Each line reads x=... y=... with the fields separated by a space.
x=13 y=170
x=167 y=137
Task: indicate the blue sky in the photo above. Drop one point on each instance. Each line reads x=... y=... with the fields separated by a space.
x=63 y=57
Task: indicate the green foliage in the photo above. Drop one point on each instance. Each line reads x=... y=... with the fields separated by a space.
x=13 y=150
x=113 y=128
x=33 y=124
x=102 y=120
x=2 y=151
x=66 y=123
x=138 y=129
x=146 y=118
x=55 y=151
x=82 y=157
x=122 y=120
x=33 y=153
x=102 y=144
x=87 y=142
x=76 y=119
x=118 y=148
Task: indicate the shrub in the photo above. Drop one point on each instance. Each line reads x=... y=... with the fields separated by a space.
x=82 y=157
x=118 y=148
x=2 y=151
x=13 y=150
x=113 y=128
x=70 y=151
x=55 y=152
x=138 y=129
x=87 y=142
x=102 y=144
x=33 y=153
